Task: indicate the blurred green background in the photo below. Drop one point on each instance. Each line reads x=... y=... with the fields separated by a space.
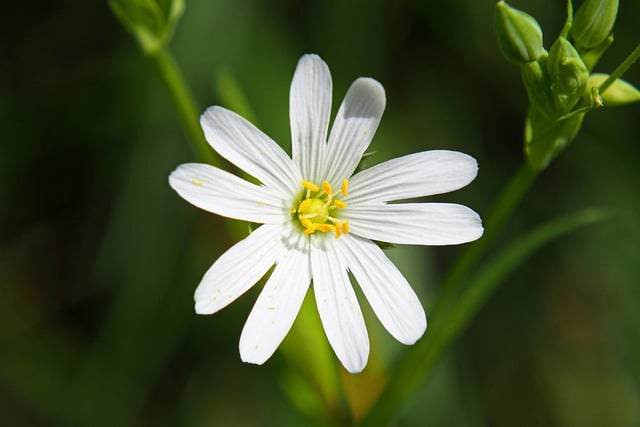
x=99 y=258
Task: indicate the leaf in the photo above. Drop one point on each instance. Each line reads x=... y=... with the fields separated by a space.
x=411 y=370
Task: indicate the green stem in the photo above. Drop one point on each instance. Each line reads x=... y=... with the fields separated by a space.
x=418 y=362
x=184 y=102
x=621 y=69
x=502 y=208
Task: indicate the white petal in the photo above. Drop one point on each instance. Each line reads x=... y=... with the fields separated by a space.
x=338 y=306
x=276 y=307
x=309 y=110
x=415 y=223
x=415 y=175
x=390 y=295
x=353 y=128
x=222 y=193
x=238 y=141
x=239 y=268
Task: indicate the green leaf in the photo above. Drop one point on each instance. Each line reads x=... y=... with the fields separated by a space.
x=497 y=269
x=418 y=363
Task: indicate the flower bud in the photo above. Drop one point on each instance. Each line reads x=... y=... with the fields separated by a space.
x=619 y=93
x=567 y=74
x=518 y=33
x=593 y=22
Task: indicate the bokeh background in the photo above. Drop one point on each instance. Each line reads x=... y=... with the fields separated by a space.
x=99 y=258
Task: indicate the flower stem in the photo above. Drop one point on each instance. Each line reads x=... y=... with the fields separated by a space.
x=502 y=208
x=621 y=69
x=184 y=102
x=419 y=361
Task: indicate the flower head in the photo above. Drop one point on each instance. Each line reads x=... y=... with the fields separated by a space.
x=319 y=220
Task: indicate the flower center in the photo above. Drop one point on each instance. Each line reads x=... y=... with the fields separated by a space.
x=317 y=208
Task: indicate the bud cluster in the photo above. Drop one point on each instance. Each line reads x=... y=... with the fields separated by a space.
x=559 y=83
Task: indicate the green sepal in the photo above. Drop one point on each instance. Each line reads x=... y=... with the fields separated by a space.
x=384 y=245
x=151 y=22
x=545 y=139
x=519 y=35
x=536 y=82
x=593 y=22
x=620 y=92
x=252 y=226
x=568 y=75
x=592 y=56
x=364 y=161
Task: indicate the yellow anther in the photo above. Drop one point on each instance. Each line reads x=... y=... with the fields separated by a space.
x=306 y=223
x=304 y=205
x=310 y=186
x=326 y=187
x=196 y=182
x=345 y=187
x=325 y=227
x=315 y=207
x=339 y=204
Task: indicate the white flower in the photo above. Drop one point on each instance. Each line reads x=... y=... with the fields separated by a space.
x=319 y=221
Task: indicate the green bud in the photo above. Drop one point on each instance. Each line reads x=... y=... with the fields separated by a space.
x=545 y=139
x=567 y=74
x=151 y=22
x=593 y=22
x=619 y=93
x=518 y=33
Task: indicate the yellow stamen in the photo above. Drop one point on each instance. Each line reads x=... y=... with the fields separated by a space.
x=326 y=187
x=345 y=187
x=306 y=223
x=315 y=206
x=325 y=227
x=310 y=186
x=339 y=204
x=196 y=182
x=304 y=205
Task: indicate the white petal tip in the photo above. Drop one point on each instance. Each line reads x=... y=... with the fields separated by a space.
x=202 y=307
x=355 y=368
x=253 y=355
x=366 y=89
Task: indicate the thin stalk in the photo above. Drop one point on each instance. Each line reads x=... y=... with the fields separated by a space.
x=501 y=210
x=417 y=362
x=621 y=69
x=184 y=103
